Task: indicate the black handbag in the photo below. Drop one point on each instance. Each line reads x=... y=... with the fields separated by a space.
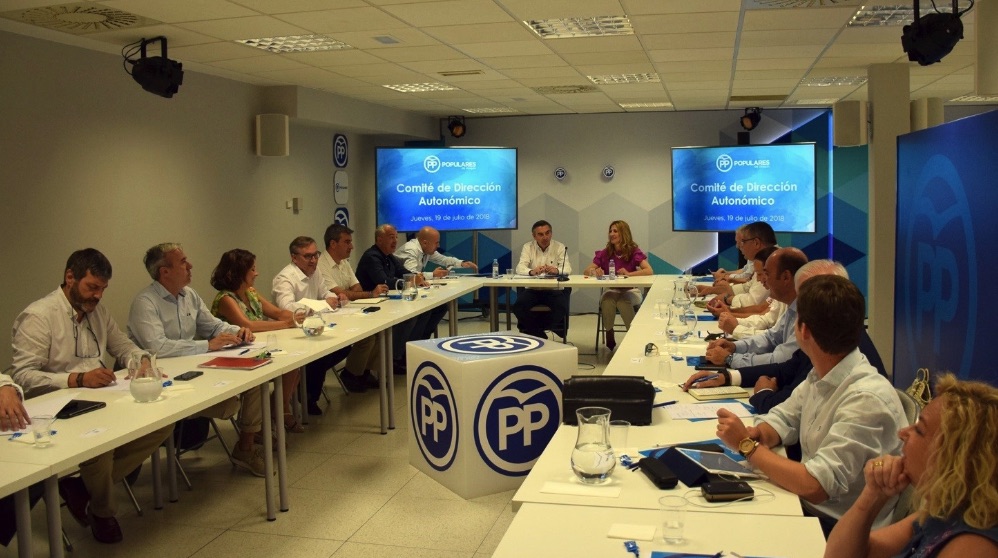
x=629 y=398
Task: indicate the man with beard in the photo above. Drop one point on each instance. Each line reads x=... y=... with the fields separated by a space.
x=69 y=340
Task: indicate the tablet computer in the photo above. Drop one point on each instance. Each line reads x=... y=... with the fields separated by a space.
x=719 y=464
x=78 y=407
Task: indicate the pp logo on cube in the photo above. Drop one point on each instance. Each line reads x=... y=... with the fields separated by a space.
x=516 y=418
x=434 y=416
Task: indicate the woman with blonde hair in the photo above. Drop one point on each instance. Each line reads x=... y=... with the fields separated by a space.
x=950 y=456
x=629 y=260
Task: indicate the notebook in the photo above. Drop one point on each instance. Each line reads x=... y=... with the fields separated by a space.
x=236 y=363
x=722 y=392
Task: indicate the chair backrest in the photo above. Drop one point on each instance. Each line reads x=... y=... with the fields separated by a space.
x=910 y=406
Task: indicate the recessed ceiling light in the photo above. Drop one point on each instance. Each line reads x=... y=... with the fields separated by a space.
x=976 y=99
x=892 y=15
x=490 y=110
x=617 y=79
x=420 y=87
x=598 y=26
x=645 y=105
x=821 y=102
x=296 y=43
x=828 y=81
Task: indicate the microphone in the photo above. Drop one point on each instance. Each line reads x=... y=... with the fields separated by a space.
x=561 y=272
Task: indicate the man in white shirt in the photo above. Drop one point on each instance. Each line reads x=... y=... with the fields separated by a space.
x=69 y=340
x=542 y=256
x=777 y=343
x=843 y=414
x=339 y=278
x=299 y=280
x=421 y=250
x=750 y=239
x=740 y=323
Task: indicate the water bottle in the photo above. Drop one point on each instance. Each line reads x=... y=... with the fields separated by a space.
x=613 y=271
x=495 y=269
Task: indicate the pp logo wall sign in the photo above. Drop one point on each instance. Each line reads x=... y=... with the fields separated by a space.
x=434 y=416
x=341 y=151
x=491 y=344
x=517 y=416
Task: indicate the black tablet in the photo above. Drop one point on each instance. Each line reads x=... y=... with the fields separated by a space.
x=78 y=407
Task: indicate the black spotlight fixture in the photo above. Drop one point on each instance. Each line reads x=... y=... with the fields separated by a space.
x=931 y=37
x=156 y=74
x=751 y=118
x=456 y=126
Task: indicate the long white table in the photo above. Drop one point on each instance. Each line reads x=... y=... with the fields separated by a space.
x=562 y=530
x=15 y=478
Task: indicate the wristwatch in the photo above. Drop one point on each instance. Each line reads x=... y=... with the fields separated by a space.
x=727 y=362
x=747 y=447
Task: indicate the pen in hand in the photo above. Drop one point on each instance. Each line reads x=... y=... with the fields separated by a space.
x=704 y=379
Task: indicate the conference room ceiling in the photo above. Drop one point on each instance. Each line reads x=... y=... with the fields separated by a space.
x=689 y=54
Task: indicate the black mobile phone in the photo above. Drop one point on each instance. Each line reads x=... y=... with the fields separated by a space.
x=77 y=407
x=370 y=309
x=189 y=375
x=713 y=336
x=726 y=491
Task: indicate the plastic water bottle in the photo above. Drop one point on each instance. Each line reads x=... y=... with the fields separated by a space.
x=495 y=269
x=613 y=271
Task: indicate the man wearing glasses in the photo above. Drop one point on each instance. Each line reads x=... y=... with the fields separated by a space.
x=69 y=340
x=751 y=296
x=299 y=280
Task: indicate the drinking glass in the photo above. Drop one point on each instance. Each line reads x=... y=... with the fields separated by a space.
x=41 y=429
x=673 y=510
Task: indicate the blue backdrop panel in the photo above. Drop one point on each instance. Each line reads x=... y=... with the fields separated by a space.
x=946 y=228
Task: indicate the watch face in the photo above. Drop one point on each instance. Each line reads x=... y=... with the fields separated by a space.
x=746 y=445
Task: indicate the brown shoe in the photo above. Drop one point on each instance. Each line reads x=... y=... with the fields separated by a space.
x=105 y=529
x=75 y=494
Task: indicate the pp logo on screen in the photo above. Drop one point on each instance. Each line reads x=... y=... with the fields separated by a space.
x=341 y=151
x=939 y=263
x=341 y=216
x=431 y=163
x=724 y=163
x=434 y=416
x=490 y=344
x=516 y=418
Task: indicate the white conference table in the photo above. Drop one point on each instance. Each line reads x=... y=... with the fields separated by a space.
x=123 y=420
x=560 y=530
x=15 y=478
x=574 y=281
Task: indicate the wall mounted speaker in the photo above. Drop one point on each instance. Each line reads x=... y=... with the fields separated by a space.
x=849 y=126
x=272 y=138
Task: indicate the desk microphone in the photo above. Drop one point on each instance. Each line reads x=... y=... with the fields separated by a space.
x=561 y=272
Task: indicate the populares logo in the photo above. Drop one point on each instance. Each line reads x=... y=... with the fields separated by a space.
x=490 y=344
x=433 y=163
x=516 y=418
x=725 y=162
x=341 y=151
x=434 y=416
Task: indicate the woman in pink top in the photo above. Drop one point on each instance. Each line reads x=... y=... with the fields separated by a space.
x=629 y=260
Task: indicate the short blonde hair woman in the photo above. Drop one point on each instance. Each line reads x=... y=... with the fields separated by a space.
x=951 y=457
x=628 y=260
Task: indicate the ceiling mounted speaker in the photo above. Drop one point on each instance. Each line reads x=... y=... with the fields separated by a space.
x=272 y=139
x=849 y=126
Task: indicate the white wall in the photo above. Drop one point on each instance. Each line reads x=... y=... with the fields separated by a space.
x=90 y=159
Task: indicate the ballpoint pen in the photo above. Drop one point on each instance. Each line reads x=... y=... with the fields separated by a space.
x=704 y=379
x=244 y=351
x=664 y=403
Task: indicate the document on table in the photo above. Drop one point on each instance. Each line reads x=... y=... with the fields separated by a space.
x=704 y=410
x=42 y=406
x=249 y=349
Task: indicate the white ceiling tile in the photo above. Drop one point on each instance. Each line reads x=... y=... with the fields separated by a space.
x=510 y=62
x=594 y=44
x=689 y=40
x=258 y=64
x=551 y=9
x=691 y=54
x=346 y=20
x=368 y=40
x=775 y=64
x=673 y=77
x=622 y=57
x=720 y=85
x=685 y=23
x=175 y=36
x=334 y=58
x=505 y=48
x=175 y=11
x=214 y=51
x=642 y=7
x=786 y=37
x=271 y=7
x=485 y=32
x=244 y=28
x=449 y=12
x=520 y=74
x=798 y=18
x=414 y=53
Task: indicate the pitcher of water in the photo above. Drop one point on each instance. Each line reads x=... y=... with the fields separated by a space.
x=312 y=323
x=146 y=378
x=682 y=323
x=409 y=291
x=592 y=458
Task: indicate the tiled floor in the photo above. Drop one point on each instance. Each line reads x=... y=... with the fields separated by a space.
x=353 y=494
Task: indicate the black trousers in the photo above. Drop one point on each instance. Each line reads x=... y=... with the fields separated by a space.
x=315 y=373
x=535 y=323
